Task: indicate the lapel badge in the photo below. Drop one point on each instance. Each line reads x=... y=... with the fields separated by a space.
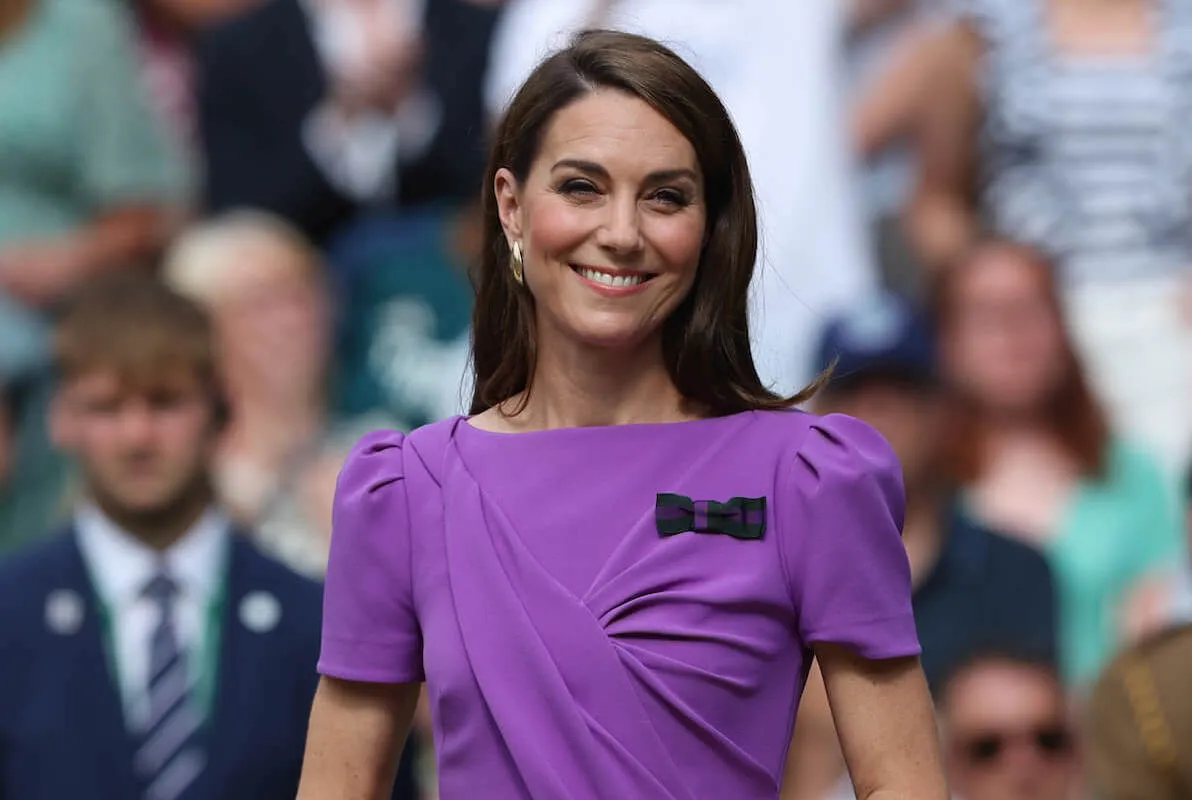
x=260 y=611
x=64 y=612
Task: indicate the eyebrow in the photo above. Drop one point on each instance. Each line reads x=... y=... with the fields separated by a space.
x=660 y=176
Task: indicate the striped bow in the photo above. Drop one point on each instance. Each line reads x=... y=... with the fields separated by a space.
x=740 y=517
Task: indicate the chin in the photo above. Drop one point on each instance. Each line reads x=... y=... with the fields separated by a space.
x=612 y=334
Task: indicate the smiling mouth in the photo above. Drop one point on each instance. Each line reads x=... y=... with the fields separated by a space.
x=614 y=279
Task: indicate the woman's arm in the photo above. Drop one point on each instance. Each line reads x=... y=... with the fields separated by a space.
x=941 y=217
x=357 y=732
x=886 y=723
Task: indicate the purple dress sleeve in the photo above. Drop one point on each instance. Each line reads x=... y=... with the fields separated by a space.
x=842 y=541
x=370 y=628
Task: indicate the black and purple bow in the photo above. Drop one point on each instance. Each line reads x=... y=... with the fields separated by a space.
x=740 y=517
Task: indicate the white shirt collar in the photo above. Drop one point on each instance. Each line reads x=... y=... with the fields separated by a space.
x=121 y=566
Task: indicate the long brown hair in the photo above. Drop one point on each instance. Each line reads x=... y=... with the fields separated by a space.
x=705 y=341
x=1072 y=412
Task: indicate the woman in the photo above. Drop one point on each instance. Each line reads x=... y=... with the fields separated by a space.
x=265 y=287
x=578 y=637
x=1039 y=460
x=1062 y=124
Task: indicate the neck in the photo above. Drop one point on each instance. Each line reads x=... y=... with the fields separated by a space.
x=162 y=527
x=923 y=532
x=1008 y=426
x=576 y=386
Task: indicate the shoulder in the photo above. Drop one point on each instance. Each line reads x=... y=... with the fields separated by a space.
x=1127 y=464
x=27 y=574
x=39 y=563
x=1005 y=554
x=836 y=471
x=299 y=598
x=264 y=571
x=834 y=449
x=999 y=558
x=373 y=463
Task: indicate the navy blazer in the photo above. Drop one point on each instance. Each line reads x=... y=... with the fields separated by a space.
x=259 y=76
x=62 y=729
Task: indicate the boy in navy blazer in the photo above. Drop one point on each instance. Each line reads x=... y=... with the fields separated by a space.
x=150 y=651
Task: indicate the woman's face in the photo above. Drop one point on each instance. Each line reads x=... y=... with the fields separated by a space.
x=1004 y=344
x=610 y=219
x=273 y=323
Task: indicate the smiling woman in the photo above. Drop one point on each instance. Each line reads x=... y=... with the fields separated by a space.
x=613 y=573
x=619 y=168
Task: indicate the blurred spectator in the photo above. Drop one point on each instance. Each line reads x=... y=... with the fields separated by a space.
x=1139 y=724
x=1007 y=732
x=974 y=589
x=1063 y=124
x=1182 y=602
x=86 y=176
x=279 y=456
x=33 y=478
x=167 y=29
x=889 y=61
x=149 y=650
x=316 y=109
x=405 y=341
x=777 y=67
x=1038 y=460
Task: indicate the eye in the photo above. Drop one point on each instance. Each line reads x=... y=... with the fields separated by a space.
x=578 y=187
x=672 y=198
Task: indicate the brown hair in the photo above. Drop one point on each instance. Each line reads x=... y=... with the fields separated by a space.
x=137 y=326
x=706 y=339
x=1072 y=412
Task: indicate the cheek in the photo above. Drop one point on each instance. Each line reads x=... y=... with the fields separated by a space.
x=554 y=229
x=678 y=241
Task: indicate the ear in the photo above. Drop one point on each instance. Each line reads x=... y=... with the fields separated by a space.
x=509 y=205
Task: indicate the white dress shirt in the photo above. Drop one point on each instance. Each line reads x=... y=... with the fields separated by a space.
x=359 y=156
x=778 y=68
x=120 y=566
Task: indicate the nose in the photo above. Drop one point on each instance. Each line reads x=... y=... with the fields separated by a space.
x=136 y=423
x=621 y=232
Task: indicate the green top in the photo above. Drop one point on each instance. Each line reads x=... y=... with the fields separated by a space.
x=1115 y=532
x=76 y=133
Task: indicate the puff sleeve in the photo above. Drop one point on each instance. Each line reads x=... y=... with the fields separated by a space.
x=848 y=572
x=370 y=627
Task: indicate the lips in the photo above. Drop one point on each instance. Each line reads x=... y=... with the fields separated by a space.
x=615 y=279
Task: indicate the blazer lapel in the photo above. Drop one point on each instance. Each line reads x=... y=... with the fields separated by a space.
x=102 y=744
x=243 y=672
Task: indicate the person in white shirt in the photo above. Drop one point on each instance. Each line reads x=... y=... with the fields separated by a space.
x=320 y=111
x=150 y=650
x=779 y=68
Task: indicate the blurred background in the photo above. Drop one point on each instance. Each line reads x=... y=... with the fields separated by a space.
x=981 y=210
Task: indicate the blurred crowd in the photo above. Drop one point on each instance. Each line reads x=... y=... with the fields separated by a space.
x=977 y=213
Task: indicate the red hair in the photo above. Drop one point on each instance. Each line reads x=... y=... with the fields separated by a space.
x=1072 y=412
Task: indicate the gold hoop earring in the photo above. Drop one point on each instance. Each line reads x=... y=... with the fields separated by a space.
x=516 y=263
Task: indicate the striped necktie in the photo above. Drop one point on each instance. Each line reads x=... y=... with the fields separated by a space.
x=169 y=757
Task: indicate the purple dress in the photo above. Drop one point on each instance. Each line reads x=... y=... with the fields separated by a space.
x=573 y=649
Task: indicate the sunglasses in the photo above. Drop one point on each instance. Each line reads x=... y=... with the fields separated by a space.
x=1049 y=742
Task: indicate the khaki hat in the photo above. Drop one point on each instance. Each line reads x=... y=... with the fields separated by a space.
x=1138 y=724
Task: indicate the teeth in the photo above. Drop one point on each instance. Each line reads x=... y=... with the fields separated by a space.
x=611 y=280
